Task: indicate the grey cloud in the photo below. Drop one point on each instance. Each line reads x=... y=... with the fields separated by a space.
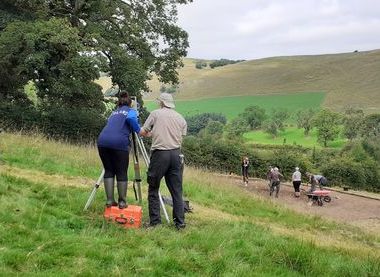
x=254 y=29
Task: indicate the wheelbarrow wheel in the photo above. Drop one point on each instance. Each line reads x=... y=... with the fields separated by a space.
x=327 y=199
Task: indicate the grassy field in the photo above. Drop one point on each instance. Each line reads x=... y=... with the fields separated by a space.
x=349 y=79
x=292 y=136
x=43 y=231
x=232 y=106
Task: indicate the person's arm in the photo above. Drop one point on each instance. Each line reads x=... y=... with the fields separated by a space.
x=184 y=128
x=148 y=125
x=132 y=121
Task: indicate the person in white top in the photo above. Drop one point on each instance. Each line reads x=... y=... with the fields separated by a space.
x=296 y=178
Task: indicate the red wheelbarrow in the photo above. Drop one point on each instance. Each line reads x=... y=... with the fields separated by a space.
x=319 y=196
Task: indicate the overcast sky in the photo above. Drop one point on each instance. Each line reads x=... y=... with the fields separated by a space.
x=250 y=29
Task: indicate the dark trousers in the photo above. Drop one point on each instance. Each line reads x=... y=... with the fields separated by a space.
x=165 y=163
x=275 y=185
x=296 y=185
x=244 y=171
x=115 y=163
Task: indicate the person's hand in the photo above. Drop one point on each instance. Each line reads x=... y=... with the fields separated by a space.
x=144 y=133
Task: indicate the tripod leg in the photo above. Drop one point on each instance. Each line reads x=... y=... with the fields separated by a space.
x=136 y=168
x=93 y=191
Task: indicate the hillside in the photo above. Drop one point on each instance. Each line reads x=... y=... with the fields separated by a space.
x=43 y=188
x=350 y=79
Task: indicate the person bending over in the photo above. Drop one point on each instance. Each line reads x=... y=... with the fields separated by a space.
x=113 y=147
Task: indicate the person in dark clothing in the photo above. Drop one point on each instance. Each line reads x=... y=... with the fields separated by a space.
x=244 y=169
x=113 y=147
x=167 y=127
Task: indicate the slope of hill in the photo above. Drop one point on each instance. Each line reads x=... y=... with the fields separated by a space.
x=43 y=231
x=350 y=79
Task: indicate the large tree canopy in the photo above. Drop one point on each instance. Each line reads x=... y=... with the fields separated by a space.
x=130 y=39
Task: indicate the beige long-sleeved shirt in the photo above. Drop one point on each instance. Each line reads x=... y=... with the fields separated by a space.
x=167 y=128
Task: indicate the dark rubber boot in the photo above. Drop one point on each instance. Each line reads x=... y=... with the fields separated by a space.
x=122 y=190
x=109 y=189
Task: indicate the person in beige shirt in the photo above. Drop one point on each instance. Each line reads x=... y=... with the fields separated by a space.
x=167 y=128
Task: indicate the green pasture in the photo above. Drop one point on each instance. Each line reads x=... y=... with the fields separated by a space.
x=290 y=136
x=232 y=106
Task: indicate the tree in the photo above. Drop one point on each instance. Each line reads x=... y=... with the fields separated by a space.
x=304 y=119
x=214 y=128
x=236 y=128
x=276 y=122
x=198 y=122
x=254 y=116
x=279 y=116
x=371 y=126
x=352 y=123
x=62 y=46
x=270 y=126
x=135 y=38
x=200 y=64
x=223 y=62
x=327 y=124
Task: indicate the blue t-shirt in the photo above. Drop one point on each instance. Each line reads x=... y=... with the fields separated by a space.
x=115 y=134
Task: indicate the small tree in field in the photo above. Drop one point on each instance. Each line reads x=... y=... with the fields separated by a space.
x=214 y=129
x=270 y=126
x=279 y=116
x=277 y=122
x=198 y=122
x=353 y=121
x=327 y=123
x=371 y=126
x=304 y=120
x=254 y=116
x=236 y=127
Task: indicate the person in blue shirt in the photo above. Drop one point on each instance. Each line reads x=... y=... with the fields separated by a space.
x=113 y=147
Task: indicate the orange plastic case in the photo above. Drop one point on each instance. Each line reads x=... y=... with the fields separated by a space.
x=129 y=217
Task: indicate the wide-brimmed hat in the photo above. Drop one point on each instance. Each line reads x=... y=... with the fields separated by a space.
x=166 y=99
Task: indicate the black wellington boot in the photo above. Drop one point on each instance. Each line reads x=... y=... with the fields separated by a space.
x=122 y=191
x=109 y=189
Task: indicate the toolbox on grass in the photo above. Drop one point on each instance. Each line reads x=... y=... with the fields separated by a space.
x=130 y=217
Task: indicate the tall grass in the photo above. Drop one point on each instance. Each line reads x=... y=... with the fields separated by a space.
x=231 y=233
x=36 y=152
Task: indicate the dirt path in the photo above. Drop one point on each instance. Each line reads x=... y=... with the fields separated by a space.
x=351 y=209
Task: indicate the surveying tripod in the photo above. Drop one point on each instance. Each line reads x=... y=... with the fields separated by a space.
x=137 y=143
